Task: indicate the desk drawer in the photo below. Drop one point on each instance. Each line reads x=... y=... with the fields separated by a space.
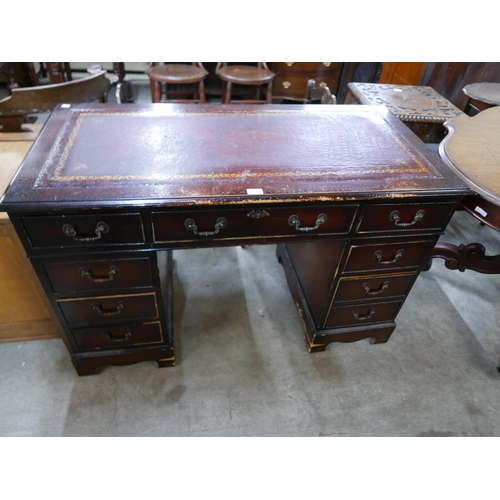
x=362 y=314
x=105 y=274
x=109 y=309
x=252 y=222
x=405 y=217
x=373 y=287
x=380 y=256
x=117 y=336
x=61 y=231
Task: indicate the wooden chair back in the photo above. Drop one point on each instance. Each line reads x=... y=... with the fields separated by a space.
x=30 y=100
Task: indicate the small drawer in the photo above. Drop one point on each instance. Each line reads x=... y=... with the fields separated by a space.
x=88 y=275
x=362 y=314
x=373 y=287
x=295 y=87
x=377 y=257
x=252 y=222
x=405 y=217
x=84 y=230
x=109 y=309
x=117 y=336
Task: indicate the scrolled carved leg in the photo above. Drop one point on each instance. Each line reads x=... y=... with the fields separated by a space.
x=472 y=256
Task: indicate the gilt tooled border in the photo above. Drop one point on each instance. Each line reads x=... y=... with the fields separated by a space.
x=351 y=172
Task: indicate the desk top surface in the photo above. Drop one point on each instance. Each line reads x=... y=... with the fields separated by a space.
x=472 y=150
x=175 y=154
x=410 y=103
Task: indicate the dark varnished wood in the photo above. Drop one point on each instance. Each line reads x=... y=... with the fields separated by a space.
x=101 y=273
x=366 y=287
x=111 y=336
x=325 y=178
x=462 y=257
x=174 y=154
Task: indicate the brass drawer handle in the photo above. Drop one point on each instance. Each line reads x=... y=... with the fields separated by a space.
x=394 y=217
x=107 y=336
x=258 y=214
x=378 y=257
x=366 y=316
x=113 y=271
x=294 y=221
x=221 y=223
x=286 y=84
x=382 y=288
x=99 y=310
x=100 y=229
x=327 y=64
x=289 y=64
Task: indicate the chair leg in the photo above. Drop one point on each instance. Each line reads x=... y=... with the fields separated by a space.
x=202 y=92
x=269 y=93
x=157 y=92
x=227 y=96
x=152 y=87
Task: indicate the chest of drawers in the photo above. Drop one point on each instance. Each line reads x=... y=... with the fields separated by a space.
x=353 y=199
x=291 y=78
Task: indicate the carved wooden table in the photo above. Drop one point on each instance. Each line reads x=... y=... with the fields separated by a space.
x=422 y=109
x=354 y=200
x=472 y=150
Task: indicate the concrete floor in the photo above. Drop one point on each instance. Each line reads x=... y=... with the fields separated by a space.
x=243 y=369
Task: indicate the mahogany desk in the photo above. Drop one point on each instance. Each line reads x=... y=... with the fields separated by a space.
x=355 y=201
x=472 y=151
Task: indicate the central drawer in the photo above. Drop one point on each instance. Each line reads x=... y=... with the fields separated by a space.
x=107 y=309
x=252 y=222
